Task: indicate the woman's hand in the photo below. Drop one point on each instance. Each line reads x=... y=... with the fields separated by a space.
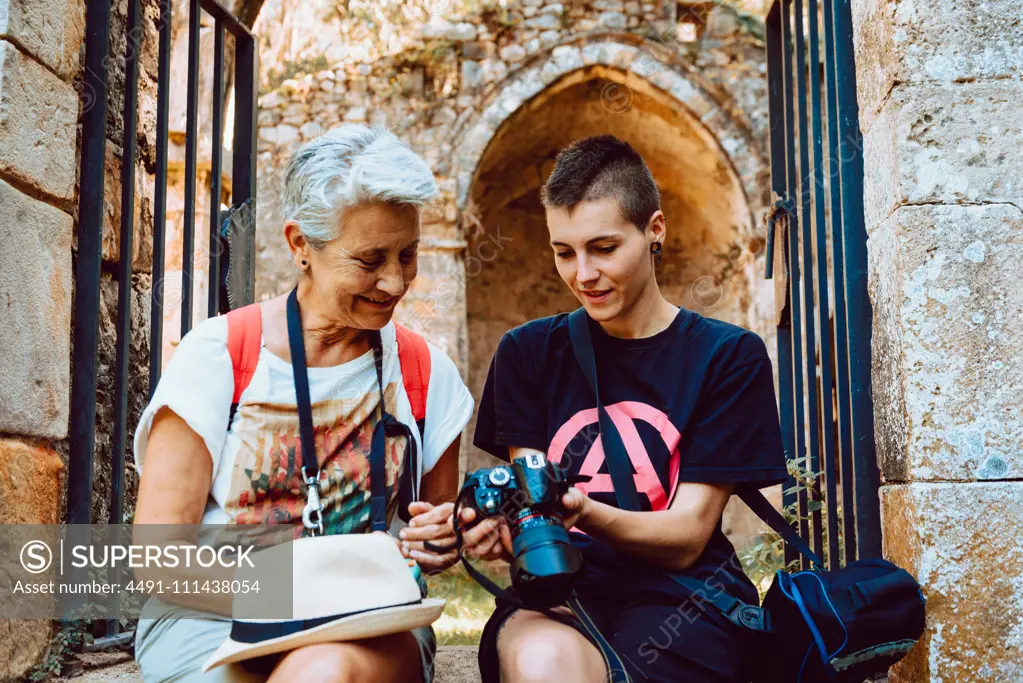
x=488 y=540
x=429 y=523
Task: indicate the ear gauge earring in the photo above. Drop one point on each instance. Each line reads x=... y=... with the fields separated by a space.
x=655 y=249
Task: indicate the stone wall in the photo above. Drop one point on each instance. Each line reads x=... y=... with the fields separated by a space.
x=39 y=107
x=940 y=89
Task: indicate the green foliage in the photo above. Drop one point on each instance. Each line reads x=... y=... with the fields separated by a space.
x=68 y=637
x=277 y=76
x=469 y=604
x=764 y=555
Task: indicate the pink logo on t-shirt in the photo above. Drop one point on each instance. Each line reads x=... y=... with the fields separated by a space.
x=624 y=416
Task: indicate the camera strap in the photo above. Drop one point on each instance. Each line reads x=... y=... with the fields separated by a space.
x=618 y=464
x=312 y=514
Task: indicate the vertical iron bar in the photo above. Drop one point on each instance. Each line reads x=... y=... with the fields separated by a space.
x=217 y=143
x=792 y=256
x=786 y=402
x=805 y=225
x=82 y=422
x=841 y=325
x=854 y=244
x=160 y=199
x=124 y=267
x=818 y=275
x=115 y=515
x=191 y=147
x=244 y=163
x=776 y=105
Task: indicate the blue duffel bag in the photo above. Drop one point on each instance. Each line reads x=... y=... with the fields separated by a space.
x=843 y=625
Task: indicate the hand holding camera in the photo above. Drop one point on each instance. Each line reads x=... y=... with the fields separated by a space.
x=530 y=497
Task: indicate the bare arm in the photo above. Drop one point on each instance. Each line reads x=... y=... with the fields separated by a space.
x=440 y=484
x=177 y=475
x=173 y=490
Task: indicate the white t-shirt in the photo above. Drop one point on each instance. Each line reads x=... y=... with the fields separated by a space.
x=257 y=461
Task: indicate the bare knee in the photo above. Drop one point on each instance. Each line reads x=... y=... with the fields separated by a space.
x=327 y=662
x=387 y=659
x=541 y=651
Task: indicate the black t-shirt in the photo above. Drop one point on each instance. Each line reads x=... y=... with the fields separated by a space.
x=693 y=403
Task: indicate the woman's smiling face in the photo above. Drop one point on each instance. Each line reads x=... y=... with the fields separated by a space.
x=601 y=256
x=369 y=267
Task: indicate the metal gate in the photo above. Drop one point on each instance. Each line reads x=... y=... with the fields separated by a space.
x=817 y=255
x=90 y=217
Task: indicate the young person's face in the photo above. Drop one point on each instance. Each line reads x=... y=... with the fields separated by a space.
x=602 y=257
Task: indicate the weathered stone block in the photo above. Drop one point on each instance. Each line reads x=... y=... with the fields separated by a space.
x=38 y=113
x=35 y=315
x=50 y=30
x=30 y=483
x=944 y=144
x=946 y=342
x=142 y=234
x=958 y=540
x=932 y=40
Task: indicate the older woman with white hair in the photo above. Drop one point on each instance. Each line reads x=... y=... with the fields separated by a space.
x=219 y=443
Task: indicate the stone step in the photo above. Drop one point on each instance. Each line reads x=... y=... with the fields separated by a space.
x=455 y=664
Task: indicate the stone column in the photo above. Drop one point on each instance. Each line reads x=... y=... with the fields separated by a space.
x=940 y=93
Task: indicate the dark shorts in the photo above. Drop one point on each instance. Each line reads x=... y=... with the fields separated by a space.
x=658 y=642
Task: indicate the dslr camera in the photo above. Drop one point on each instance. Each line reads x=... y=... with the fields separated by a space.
x=528 y=494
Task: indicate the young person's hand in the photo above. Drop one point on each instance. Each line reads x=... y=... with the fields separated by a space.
x=575 y=503
x=489 y=540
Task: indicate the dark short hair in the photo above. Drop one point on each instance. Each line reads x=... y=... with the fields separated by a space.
x=599 y=167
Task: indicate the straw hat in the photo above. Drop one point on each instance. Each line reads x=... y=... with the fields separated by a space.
x=344 y=587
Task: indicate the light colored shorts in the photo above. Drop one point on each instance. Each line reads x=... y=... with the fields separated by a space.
x=173 y=642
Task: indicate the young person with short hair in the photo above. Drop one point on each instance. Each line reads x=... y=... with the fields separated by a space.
x=693 y=399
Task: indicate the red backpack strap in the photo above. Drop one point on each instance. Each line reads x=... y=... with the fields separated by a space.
x=414 y=358
x=244 y=338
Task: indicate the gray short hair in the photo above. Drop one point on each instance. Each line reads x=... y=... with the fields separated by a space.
x=346 y=167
